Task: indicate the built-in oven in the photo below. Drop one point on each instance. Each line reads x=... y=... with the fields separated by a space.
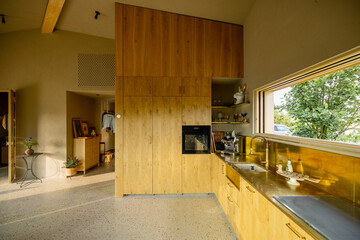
x=196 y=139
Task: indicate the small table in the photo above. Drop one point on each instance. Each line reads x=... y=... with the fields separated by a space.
x=33 y=158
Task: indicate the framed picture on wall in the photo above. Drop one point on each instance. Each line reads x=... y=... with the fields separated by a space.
x=77 y=129
x=85 y=129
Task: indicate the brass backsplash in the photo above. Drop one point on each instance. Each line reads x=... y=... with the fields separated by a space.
x=339 y=174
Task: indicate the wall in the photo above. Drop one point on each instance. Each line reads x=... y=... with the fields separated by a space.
x=85 y=108
x=282 y=37
x=41 y=68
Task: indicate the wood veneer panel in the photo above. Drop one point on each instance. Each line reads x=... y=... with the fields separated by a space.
x=137 y=86
x=137 y=162
x=167 y=86
x=166 y=145
x=196 y=110
x=119 y=39
x=146 y=42
x=196 y=175
x=119 y=134
x=196 y=87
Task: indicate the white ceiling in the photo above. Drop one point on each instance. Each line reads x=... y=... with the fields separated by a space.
x=78 y=15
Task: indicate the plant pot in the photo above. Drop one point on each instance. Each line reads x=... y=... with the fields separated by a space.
x=29 y=151
x=71 y=172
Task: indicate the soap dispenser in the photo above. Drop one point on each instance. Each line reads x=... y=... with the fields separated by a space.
x=289 y=167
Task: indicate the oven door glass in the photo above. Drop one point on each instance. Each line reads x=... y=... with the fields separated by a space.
x=196 y=143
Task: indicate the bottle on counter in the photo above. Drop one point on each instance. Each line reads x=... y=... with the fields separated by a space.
x=299 y=167
x=289 y=167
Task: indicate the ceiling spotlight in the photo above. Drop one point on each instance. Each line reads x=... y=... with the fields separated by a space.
x=2 y=18
x=97 y=14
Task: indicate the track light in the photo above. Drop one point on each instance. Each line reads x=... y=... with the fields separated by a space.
x=2 y=18
x=97 y=14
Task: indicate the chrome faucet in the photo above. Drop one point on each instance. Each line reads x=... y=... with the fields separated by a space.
x=266 y=161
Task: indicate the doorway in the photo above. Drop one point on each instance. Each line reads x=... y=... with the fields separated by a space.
x=7 y=136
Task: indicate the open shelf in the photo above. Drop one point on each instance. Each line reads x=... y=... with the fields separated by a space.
x=228 y=123
x=230 y=106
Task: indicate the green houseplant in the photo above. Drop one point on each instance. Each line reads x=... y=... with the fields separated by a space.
x=70 y=164
x=29 y=143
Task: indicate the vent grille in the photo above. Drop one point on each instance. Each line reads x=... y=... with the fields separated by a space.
x=96 y=70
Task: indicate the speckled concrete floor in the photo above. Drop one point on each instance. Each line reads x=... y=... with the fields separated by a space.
x=84 y=208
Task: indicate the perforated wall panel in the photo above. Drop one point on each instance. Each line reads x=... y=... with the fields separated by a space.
x=96 y=70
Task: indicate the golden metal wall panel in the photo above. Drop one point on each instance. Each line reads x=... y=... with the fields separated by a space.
x=339 y=174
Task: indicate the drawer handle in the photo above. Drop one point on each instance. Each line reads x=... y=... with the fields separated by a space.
x=222 y=168
x=229 y=199
x=294 y=231
x=248 y=188
x=230 y=185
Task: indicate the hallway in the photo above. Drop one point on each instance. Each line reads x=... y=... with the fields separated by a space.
x=83 y=207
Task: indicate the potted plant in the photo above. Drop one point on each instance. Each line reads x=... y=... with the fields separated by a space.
x=70 y=165
x=29 y=143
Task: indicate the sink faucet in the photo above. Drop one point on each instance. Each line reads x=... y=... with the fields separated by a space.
x=266 y=161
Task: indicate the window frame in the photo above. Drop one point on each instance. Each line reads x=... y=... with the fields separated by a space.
x=263 y=108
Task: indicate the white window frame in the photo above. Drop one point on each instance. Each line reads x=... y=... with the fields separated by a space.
x=263 y=126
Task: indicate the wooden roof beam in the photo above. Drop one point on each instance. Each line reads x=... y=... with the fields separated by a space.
x=52 y=14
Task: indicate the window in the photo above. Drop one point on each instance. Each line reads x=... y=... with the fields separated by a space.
x=317 y=106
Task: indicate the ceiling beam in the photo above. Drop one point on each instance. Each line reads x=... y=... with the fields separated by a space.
x=52 y=14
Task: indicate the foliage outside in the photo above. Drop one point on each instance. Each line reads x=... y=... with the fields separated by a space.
x=29 y=143
x=324 y=108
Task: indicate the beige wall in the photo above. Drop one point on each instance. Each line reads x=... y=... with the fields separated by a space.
x=282 y=37
x=41 y=68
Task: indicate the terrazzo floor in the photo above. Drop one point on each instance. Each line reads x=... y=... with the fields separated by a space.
x=84 y=207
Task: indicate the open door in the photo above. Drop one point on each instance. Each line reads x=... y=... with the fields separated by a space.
x=11 y=132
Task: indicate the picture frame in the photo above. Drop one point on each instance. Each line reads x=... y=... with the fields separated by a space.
x=85 y=129
x=77 y=129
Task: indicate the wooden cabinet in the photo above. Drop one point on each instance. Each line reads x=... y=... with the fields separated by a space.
x=196 y=87
x=283 y=227
x=86 y=149
x=224 y=49
x=137 y=155
x=154 y=43
x=137 y=86
x=166 y=145
x=167 y=86
x=196 y=110
x=195 y=173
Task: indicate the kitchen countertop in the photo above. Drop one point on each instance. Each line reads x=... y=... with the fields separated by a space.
x=270 y=184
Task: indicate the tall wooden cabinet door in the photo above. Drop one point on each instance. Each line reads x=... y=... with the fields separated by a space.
x=212 y=47
x=137 y=86
x=166 y=86
x=196 y=175
x=137 y=162
x=236 y=57
x=196 y=110
x=166 y=145
x=146 y=42
x=196 y=87
x=183 y=37
x=119 y=38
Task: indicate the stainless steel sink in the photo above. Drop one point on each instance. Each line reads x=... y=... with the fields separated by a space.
x=250 y=167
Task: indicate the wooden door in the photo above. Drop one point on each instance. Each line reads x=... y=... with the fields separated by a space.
x=167 y=145
x=196 y=110
x=11 y=135
x=137 y=155
x=196 y=175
